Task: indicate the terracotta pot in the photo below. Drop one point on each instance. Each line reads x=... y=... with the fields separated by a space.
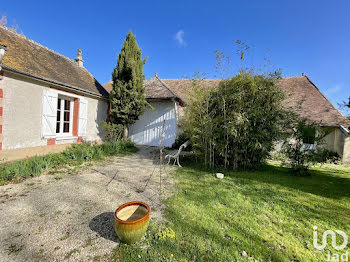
x=131 y=221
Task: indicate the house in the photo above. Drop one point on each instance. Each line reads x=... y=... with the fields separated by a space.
x=168 y=96
x=47 y=101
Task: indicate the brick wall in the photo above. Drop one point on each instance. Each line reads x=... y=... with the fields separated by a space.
x=75 y=116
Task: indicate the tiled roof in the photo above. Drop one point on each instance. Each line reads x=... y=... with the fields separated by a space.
x=304 y=98
x=183 y=86
x=155 y=88
x=26 y=56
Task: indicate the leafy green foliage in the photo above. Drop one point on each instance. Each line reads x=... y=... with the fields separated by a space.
x=181 y=139
x=127 y=98
x=299 y=147
x=113 y=132
x=74 y=155
x=325 y=155
x=236 y=123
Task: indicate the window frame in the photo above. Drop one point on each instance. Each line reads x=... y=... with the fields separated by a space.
x=62 y=99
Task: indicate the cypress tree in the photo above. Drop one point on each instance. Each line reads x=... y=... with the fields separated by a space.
x=127 y=98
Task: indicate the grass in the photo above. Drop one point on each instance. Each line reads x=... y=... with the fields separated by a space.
x=65 y=237
x=73 y=156
x=267 y=215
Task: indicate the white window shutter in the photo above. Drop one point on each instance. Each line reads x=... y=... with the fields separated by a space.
x=83 y=111
x=49 y=113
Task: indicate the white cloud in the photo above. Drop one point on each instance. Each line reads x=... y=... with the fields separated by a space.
x=335 y=89
x=179 y=37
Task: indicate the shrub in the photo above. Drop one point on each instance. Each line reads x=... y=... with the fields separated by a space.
x=74 y=155
x=299 y=149
x=325 y=155
x=113 y=132
x=181 y=139
x=236 y=123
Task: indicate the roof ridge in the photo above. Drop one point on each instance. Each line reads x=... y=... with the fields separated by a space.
x=325 y=97
x=166 y=86
x=38 y=44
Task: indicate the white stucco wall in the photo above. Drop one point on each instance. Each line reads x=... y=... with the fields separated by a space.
x=22 y=113
x=335 y=141
x=147 y=130
x=346 y=155
x=97 y=111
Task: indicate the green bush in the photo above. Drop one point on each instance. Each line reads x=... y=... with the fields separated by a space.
x=236 y=123
x=300 y=155
x=113 y=132
x=74 y=155
x=325 y=155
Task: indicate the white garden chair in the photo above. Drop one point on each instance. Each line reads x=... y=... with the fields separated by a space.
x=176 y=154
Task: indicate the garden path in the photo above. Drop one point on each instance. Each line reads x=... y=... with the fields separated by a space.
x=70 y=216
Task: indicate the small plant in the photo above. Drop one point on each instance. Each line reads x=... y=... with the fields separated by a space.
x=300 y=147
x=65 y=237
x=166 y=233
x=70 y=253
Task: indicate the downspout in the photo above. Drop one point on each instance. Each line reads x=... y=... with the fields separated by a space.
x=3 y=50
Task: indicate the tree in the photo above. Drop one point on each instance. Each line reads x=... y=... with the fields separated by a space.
x=127 y=98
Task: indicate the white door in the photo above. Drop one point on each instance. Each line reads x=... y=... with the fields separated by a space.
x=148 y=129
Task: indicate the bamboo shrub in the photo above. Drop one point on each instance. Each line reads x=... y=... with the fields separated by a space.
x=236 y=123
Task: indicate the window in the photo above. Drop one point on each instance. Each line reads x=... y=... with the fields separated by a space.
x=64 y=116
x=309 y=135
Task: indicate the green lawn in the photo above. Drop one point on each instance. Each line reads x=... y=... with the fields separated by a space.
x=269 y=214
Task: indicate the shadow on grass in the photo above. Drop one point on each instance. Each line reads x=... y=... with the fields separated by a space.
x=103 y=224
x=325 y=182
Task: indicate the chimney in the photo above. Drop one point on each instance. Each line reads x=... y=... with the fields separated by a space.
x=302 y=74
x=79 y=59
x=3 y=50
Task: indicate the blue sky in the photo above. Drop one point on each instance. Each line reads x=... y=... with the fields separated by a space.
x=180 y=37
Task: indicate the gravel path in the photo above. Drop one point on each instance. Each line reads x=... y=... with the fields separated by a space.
x=70 y=216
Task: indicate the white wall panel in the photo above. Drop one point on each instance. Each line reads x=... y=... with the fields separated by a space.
x=148 y=129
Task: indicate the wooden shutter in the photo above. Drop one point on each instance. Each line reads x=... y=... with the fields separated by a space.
x=83 y=111
x=49 y=114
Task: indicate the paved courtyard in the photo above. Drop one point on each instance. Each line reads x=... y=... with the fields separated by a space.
x=70 y=216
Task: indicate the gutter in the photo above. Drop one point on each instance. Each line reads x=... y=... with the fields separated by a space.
x=344 y=130
x=49 y=81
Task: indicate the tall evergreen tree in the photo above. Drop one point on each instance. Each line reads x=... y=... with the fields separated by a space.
x=127 y=98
